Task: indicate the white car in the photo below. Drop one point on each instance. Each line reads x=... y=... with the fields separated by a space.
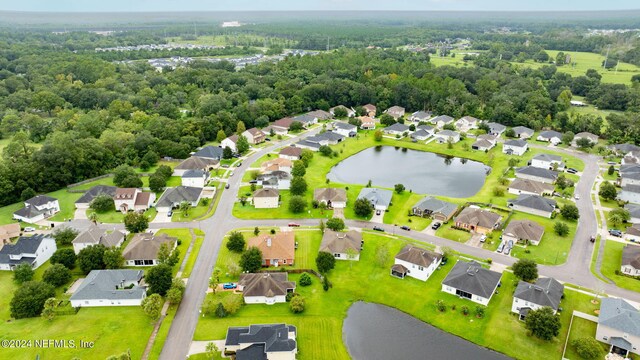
x=577 y=197
x=483 y=238
x=29 y=229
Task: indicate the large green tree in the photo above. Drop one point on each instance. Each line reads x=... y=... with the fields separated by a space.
x=28 y=300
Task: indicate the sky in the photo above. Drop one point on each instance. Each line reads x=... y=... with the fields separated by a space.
x=302 y=5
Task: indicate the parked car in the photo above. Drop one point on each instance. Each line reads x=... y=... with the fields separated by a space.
x=405 y=227
x=236 y=156
x=378 y=212
x=253 y=182
x=557 y=194
x=29 y=229
x=231 y=173
x=507 y=251
x=239 y=164
x=593 y=239
x=615 y=232
x=436 y=226
x=267 y=139
x=224 y=166
x=483 y=238
x=170 y=213
x=229 y=286
x=576 y=196
x=226 y=186
x=572 y=170
x=500 y=247
x=612 y=163
x=378 y=228
x=294 y=225
x=510 y=244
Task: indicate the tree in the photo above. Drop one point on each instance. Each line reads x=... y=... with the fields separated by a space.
x=325 y=150
x=543 y=323
x=588 y=348
x=214 y=280
x=299 y=169
x=362 y=207
x=185 y=208
x=102 y=204
x=240 y=128
x=64 y=236
x=57 y=275
x=618 y=216
x=121 y=173
x=296 y=126
x=325 y=261
x=135 y=222
x=236 y=242
x=157 y=182
x=64 y=256
x=227 y=153
x=176 y=291
x=297 y=204
x=584 y=143
x=570 y=212
x=526 y=270
x=509 y=133
x=27 y=194
x=221 y=136
x=152 y=306
x=340 y=112
x=382 y=254
x=159 y=279
x=251 y=260
x=304 y=280
x=608 y=191
x=306 y=156
x=297 y=304
x=561 y=229
x=321 y=226
x=298 y=186
x=387 y=120
x=113 y=258
x=29 y=299
x=91 y=258
x=212 y=350
x=513 y=162
x=377 y=135
x=611 y=170
x=232 y=303
x=49 y=308
x=242 y=145
x=399 y=188
x=23 y=273
x=567 y=138
x=335 y=224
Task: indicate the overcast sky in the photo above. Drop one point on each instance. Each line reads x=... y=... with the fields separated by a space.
x=278 y=5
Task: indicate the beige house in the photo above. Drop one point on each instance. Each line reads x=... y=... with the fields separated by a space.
x=332 y=197
x=277 y=164
x=477 y=220
x=254 y=136
x=525 y=231
x=367 y=123
x=265 y=288
x=370 y=109
x=266 y=198
x=395 y=111
x=343 y=245
x=8 y=232
x=290 y=152
x=143 y=249
x=530 y=187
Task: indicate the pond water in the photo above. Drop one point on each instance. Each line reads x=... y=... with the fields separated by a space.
x=420 y=171
x=378 y=332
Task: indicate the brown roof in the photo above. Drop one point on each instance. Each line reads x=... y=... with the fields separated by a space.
x=330 y=194
x=125 y=193
x=291 y=151
x=275 y=246
x=233 y=138
x=524 y=230
x=266 y=284
x=255 y=131
x=284 y=122
x=266 y=193
x=418 y=256
x=9 y=231
x=369 y=107
x=145 y=246
x=196 y=163
x=366 y=120
x=143 y=198
x=339 y=242
x=276 y=163
x=631 y=256
x=478 y=217
x=634 y=230
x=531 y=186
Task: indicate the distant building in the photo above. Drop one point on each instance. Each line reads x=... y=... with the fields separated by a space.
x=37 y=208
x=34 y=250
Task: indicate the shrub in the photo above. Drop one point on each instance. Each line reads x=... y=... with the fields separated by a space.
x=326 y=284
x=441 y=306
x=64 y=256
x=335 y=224
x=23 y=273
x=362 y=207
x=480 y=311
x=57 y=275
x=543 y=323
x=29 y=299
x=560 y=228
x=102 y=204
x=325 y=261
x=305 y=280
x=588 y=348
x=236 y=242
x=465 y=310
x=251 y=260
x=64 y=236
x=297 y=304
x=297 y=204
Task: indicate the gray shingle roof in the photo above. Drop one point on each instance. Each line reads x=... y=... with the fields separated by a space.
x=421 y=133
x=195 y=162
x=634 y=210
x=545 y=292
x=531 y=186
x=422 y=115
x=418 y=256
x=339 y=242
x=482 y=143
x=101 y=284
x=631 y=188
x=265 y=284
x=625 y=148
x=436 y=206
x=516 y=143
x=24 y=245
x=548 y=157
x=194 y=174
x=495 y=127
x=179 y=194
x=94 y=235
x=442 y=118
x=305 y=118
x=631 y=256
x=473 y=278
x=345 y=126
x=620 y=315
x=428 y=128
x=533 y=202
x=519 y=130
x=550 y=134
x=209 y=152
x=95 y=192
x=29 y=212
x=269 y=337
x=397 y=127
x=538 y=172
x=308 y=143
x=376 y=196
x=40 y=200
x=447 y=133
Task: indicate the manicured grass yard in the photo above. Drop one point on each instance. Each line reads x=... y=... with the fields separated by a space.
x=194 y=212
x=553 y=249
x=320 y=325
x=611 y=260
x=192 y=257
x=582 y=328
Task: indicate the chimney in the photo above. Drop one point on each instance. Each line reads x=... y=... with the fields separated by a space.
x=268 y=242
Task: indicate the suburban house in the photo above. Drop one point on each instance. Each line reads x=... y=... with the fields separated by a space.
x=547 y=161
x=306 y=119
x=314 y=143
x=379 y=198
x=515 y=147
x=8 y=232
x=320 y=114
x=345 y=129
x=523 y=231
x=496 y=129
x=619 y=326
x=96 y=236
x=550 y=136
x=143 y=248
x=37 y=208
x=277 y=249
x=264 y=342
x=367 y=123
x=265 y=288
x=34 y=250
x=630 y=193
x=343 y=245
x=350 y=112
x=632 y=157
x=537 y=174
x=629 y=174
x=195 y=163
x=442 y=120
x=196 y=178
x=370 y=109
x=420 y=116
x=632 y=233
x=284 y=123
x=469 y=280
x=133 y=199
x=266 y=198
x=230 y=142
x=396 y=129
x=525 y=186
x=277 y=164
x=274 y=129
x=110 y=288
x=415 y=262
x=446 y=136
x=484 y=142
x=332 y=197
x=396 y=112
x=290 y=153
x=544 y=292
x=623 y=149
x=477 y=220
x=523 y=132
x=435 y=208
x=254 y=136
x=85 y=200
x=467 y=123
x=173 y=197
x=634 y=211
x=630 y=260
x=279 y=180
x=593 y=139
x=209 y=152
x=533 y=204
x=421 y=135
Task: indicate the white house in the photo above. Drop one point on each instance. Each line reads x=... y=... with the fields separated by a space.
x=96 y=236
x=550 y=136
x=143 y=249
x=350 y=112
x=37 y=208
x=173 y=197
x=396 y=129
x=379 y=198
x=523 y=231
x=395 y=111
x=515 y=147
x=619 y=326
x=547 y=161
x=265 y=341
x=415 y=262
x=265 y=288
x=345 y=129
x=230 y=142
x=630 y=193
x=34 y=250
x=367 y=123
x=533 y=204
x=445 y=136
x=195 y=178
x=523 y=132
x=469 y=280
x=546 y=292
x=496 y=129
x=279 y=180
x=420 y=116
x=442 y=120
x=467 y=123
x=110 y=288
x=343 y=245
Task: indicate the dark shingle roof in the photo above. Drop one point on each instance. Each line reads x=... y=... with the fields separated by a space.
x=101 y=284
x=95 y=192
x=179 y=194
x=534 y=202
x=631 y=256
x=444 y=118
x=436 y=206
x=548 y=158
x=193 y=174
x=209 y=152
x=308 y=143
x=24 y=245
x=619 y=314
x=545 y=292
x=195 y=162
x=516 y=143
x=550 y=134
x=472 y=278
x=538 y=172
x=40 y=200
x=418 y=256
x=264 y=337
x=29 y=212
x=397 y=127
x=345 y=126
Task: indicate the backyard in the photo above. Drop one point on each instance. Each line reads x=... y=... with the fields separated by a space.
x=611 y=262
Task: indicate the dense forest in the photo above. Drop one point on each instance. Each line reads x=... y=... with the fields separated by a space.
x=69 y=114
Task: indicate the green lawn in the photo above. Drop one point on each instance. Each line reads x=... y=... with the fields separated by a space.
x=611 y=262
x=192 y=257
x=553 y=249
x=163 y=332
x=263 y=158
x=185 y=238
x=194 y=212
x=116 y=217
x=320 y=326
x=581 y=328
x=402 y=205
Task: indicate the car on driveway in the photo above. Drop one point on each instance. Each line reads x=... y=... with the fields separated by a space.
x=483 y=238
x=228 y=286
x=170 y=213
x=500 y=247
x=253 y=182
x=436 y=226
x=572 y=170
x=29 y=229
x=615 y=232
x=294 y=224
x=405 y=227
x=378 y=212
x=378 y=228
x=226 y=186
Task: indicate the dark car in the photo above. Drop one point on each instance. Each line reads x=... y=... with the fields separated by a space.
x=436 y=226
x=615 y=232
x=253 y=182
x=593 y=239
x=226 y=186
x=267 y=139
x=239 y=164
x=378 y=228
x=572 y=170
x=405 y=227
x=236 y=156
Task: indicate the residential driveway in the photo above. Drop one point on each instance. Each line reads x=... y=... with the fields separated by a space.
x=338 y=213
x=199 y=347
x=475 y=240
x=74 y=286
x=80 y=214
x=378 y=218
x=162 y=217
x=208 y=192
